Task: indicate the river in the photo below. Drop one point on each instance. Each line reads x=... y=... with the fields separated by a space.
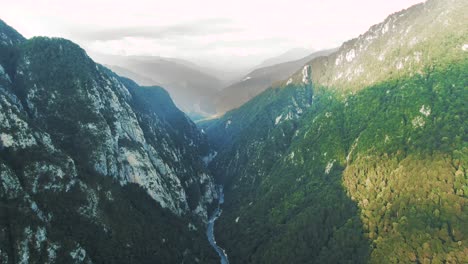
x=210 y=229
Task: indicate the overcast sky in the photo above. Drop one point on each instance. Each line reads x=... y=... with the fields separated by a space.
x=237 y=32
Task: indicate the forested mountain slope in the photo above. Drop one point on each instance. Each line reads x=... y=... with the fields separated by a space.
x=359 y=159
x=91 y=171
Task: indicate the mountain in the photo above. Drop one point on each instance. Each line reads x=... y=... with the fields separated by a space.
x=258 y=81
x=290 y=55
x=359 y=157
x=94 y=168
x=139 y=79
x=187 y=84
x=225 y=75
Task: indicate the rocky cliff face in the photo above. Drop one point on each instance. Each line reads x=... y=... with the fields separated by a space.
x=401 y=46
x=79 y=147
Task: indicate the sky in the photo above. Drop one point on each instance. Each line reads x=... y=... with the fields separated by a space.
x=237 y=33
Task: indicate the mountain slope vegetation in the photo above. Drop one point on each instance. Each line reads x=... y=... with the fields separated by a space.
x=91 y=172
x=369 y=168
x=359 y=156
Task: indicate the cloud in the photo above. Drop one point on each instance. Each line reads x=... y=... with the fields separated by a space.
x=224 y=32
x=194 y=28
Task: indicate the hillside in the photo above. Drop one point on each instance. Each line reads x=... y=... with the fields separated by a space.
x=353 y=155
x=94 y=168
x=357 y=158
x=258 y=81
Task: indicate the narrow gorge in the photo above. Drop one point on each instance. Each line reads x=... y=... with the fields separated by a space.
x=359 y=156
x=210 y=228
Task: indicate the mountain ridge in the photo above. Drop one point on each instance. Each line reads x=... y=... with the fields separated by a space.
x=83 y=155
x=258 y=80
x=348 y=69
x=289 y=55
x=190 y=87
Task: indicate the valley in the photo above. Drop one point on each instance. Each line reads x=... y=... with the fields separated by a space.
x=355 y=154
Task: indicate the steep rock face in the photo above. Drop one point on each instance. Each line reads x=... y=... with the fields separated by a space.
x=401 y=46
x=370 y=169
x=88 y=111
x=181 y=143
x=81 y=149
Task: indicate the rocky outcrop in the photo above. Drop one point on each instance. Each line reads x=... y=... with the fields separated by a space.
x=403 y=45
x=79 y=147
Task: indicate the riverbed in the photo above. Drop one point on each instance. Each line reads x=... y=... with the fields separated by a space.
x=210 y=229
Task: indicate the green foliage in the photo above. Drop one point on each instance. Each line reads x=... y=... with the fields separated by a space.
x=375 y=176
x=132 y=228
x=430 y=33
x=64 y=94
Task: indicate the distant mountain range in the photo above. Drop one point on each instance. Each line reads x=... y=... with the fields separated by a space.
x=260 y=79
x=138 y=78
x=290 y=55
x=197 y=90
x=188 y=84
